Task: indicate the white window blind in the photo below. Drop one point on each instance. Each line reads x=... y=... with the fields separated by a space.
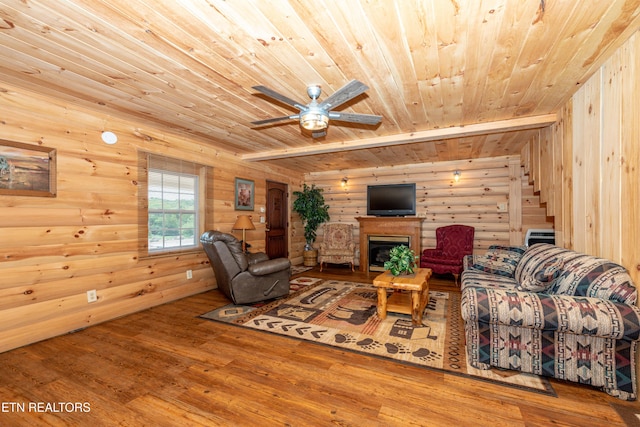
x=173 y=188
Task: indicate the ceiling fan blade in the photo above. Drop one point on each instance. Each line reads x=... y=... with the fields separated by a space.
x=275 y=119
x=278 y=97
x=344 y=94
x=319 y=134
x=366 y=119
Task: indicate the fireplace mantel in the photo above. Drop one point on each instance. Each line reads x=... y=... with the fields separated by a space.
x=388 y=226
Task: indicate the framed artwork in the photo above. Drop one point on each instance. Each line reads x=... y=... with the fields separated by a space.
x=27 y=170
x=244 y=194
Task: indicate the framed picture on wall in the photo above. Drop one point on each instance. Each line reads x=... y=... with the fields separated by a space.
x=244 y=194
x=27 y=170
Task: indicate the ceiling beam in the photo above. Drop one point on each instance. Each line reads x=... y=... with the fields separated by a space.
x=523 y=123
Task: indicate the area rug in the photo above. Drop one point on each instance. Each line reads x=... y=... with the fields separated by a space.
x=297 y=269
x=343 y=314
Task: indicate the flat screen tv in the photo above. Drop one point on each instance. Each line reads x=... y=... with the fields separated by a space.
x=391 y=200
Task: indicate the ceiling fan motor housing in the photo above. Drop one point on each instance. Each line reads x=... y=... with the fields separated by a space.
x=314 y=91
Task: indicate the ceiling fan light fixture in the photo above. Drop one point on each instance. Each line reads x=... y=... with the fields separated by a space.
x=315 y=116
x=314 y=120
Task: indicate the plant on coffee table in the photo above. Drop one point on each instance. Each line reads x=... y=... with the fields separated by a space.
x=402 y=260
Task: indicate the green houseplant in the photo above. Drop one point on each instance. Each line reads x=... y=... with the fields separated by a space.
x=402 y=260
x=310 y=205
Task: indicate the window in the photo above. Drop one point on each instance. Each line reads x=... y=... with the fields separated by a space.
x=173 y=210
x=172 y=204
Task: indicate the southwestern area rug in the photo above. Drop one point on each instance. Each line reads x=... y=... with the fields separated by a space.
x=297 y=269
x=342 y=314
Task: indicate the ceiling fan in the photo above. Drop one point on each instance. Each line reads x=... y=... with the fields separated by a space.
x=315 y=115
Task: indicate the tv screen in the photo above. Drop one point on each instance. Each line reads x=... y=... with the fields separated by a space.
x=391 y=200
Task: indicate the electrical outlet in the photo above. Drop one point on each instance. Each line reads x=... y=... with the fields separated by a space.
x=262 y=220
x=92 y=296
x=189 y=274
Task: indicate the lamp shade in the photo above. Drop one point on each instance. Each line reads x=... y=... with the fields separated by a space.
x=244 y=223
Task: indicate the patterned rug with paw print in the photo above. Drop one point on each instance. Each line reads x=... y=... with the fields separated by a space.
x=343 y=314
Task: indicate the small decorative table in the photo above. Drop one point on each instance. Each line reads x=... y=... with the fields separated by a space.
x=413 y=303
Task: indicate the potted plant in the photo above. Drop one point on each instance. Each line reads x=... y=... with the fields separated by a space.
x=402 y=260
x=310 y=205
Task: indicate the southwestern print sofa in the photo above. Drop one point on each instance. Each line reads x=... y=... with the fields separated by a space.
x=552 y=312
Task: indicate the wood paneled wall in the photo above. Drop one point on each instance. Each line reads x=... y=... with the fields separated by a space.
x=586 y=169
x=587 y=165
x=475 y=199
x=55 y=249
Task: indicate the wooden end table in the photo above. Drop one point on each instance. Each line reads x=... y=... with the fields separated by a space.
x=413 y=303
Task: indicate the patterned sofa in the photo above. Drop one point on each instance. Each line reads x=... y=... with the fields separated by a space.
x=553 y=312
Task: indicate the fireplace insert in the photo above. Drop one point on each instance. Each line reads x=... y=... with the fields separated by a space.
x=379 y=247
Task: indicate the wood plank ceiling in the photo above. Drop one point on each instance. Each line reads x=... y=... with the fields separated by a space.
x=433 y=66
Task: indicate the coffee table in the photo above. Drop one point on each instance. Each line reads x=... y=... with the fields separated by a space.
x=413 y=302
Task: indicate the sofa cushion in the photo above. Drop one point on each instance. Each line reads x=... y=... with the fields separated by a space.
x=500 y=260
x=581 y=275
x=595 y=277
x=561 y=313
x=536 y=256
x=515 y=249
x=542 y=279
x=477 y=278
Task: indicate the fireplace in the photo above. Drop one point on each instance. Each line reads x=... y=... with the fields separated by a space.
x=379 y=247
x=409 y=228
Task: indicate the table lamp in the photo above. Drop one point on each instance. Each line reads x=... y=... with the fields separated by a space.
x=244 y=223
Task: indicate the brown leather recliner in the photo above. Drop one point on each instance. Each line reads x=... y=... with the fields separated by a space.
x=245 y=278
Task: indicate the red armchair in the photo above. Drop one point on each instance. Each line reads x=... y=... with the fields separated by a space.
x=453 y=242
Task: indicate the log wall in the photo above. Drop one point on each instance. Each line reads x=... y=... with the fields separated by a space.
x=492 y=195
x=52 y=250
x=585 y=168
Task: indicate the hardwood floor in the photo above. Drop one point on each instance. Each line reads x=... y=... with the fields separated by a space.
x=167 y=367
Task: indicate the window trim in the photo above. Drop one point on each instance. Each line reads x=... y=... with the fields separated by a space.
x=204 y=213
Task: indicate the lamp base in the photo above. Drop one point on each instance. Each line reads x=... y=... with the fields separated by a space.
x=244 y=239
x=245 y=246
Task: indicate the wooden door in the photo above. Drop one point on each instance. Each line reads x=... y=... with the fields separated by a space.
x=277 y=235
